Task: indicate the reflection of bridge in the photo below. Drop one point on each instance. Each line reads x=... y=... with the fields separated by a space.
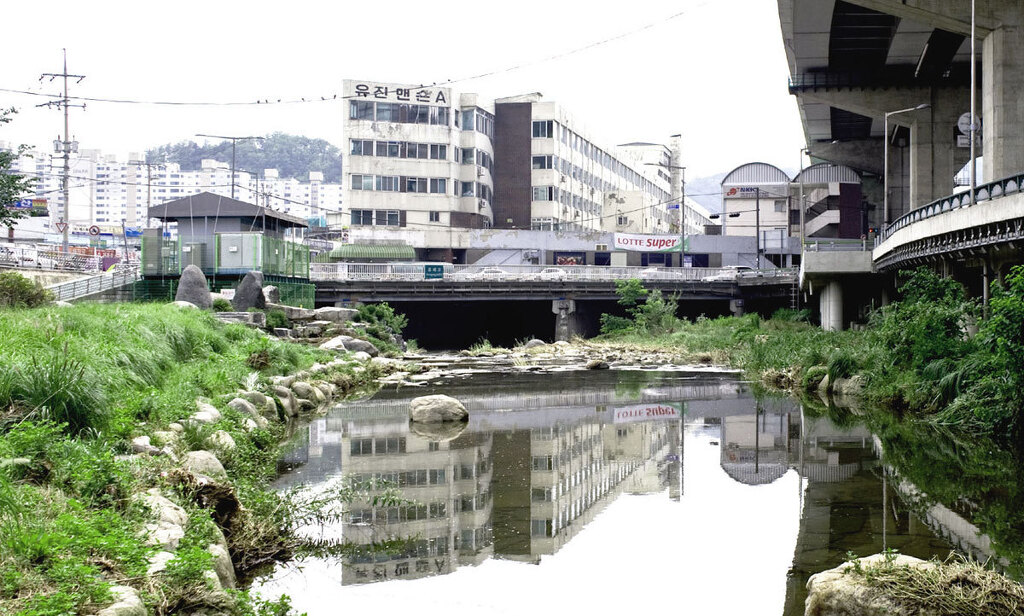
x=860 y=68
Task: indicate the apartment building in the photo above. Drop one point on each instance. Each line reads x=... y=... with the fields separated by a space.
x=107 y=192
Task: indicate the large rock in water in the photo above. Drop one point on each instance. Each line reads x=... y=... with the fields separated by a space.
x=192 y=288
x=437 y=408
x=249 y=293
x=844 y=592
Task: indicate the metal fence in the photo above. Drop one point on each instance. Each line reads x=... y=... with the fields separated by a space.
x=35 y=258
x=832 y=245
x=90 y=285
x=535 y=273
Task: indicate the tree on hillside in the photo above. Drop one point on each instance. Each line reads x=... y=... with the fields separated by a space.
x=293 y=156
x=13 y=186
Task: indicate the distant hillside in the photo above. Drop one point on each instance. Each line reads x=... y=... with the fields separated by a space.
x=291 y=155
x=707 y=191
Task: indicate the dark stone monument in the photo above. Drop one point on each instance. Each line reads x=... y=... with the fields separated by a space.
x=192 y=288
x=249 y=293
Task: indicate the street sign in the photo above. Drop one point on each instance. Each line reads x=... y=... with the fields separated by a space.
x=433 y=272
x=94 y=230
x=963 y=123
x=62 y=226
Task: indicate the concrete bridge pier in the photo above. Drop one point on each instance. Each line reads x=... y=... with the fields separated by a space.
x=568 y=321
x=830 y=303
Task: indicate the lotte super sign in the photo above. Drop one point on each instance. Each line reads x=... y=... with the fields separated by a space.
x=647 y=243
x=645 y=412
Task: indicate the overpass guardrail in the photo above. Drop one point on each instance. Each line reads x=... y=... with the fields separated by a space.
x=1005 y=186
x=539 y=273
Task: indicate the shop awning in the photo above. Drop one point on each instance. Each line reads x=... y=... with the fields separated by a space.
x=358 y=252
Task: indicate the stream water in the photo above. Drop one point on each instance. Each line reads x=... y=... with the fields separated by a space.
x=598 y=492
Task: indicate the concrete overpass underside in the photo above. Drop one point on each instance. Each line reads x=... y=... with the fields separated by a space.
x=852 y=62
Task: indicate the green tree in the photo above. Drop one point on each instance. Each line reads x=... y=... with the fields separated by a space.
x=292 y=155
x=13 y=186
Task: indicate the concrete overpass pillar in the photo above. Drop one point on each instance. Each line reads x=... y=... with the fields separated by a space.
x=1002 y=104
x=566 y=319
x=830 y=303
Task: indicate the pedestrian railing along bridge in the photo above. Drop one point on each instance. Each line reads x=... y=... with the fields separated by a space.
x=370 y=272
x=91 y=285
x=43 y=259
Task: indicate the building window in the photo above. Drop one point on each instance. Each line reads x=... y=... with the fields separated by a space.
x=438 y=152
x=466 y=189
x=438 y=186
x=362 y=147
x=389 y=445
x=468 y=156
x=622 y=220
x=542 y=162
x=387 y=183
x=543 y=128
x=387 y=218
x=360 y=110
x=540 y=495
x=414 y=185
x=542 y=463
x=362 y=182
x=362 y=217
x=544 y=193
x=540 y=528
x=435 y=216
x=780 y=205
x=362 y=446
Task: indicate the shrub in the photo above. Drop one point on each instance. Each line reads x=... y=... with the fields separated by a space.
x=222 y=305
x=277 y=318
x=840 y=366
x=16 y=291
x=813 y=377
x=611 y=323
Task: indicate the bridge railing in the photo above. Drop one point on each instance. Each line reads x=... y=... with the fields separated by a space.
x=34 y=258
x=91 y=285
x=835 y=244
x=984 y=192
x=537 y=273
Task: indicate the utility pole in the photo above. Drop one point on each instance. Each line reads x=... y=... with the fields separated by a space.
x=66 y=146
x=757 y=225
x=233 y=140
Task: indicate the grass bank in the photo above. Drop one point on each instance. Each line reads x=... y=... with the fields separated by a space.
x=933 y=353
x=76 y=384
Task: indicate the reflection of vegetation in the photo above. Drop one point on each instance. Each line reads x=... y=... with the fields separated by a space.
x=961 y=472
x=385 y=549
x=631 y=382
x=953 y=587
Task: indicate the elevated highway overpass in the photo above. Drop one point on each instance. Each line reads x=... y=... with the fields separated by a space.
x=881 y=86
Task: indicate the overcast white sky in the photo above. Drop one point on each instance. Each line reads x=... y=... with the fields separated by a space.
x=717 y=73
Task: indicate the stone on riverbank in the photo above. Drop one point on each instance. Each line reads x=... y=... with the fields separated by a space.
x=204 y=463
x=272 y=294
x=206 y=413
x=597 y=364
x=222 y=565
x=192 y=288
x=126 y=603
x=287 y=400
x=437 y=408
x=536 y=342
x=851 y=387
x=249 y=410
x=348 y=343
x=221 y=441
x=844 y=592
x=335 y=315
x=249 y=293
x=183 y=304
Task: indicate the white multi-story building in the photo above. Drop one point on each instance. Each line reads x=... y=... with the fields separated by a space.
x=575 y=184
x=418 y=157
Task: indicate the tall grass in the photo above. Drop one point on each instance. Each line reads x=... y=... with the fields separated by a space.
x=105 y=366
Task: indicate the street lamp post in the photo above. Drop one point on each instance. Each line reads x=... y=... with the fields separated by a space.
x=681 y=205
x=885 y=168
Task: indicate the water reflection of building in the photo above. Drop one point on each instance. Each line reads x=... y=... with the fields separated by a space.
x=550 y=481
x=447 y=522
